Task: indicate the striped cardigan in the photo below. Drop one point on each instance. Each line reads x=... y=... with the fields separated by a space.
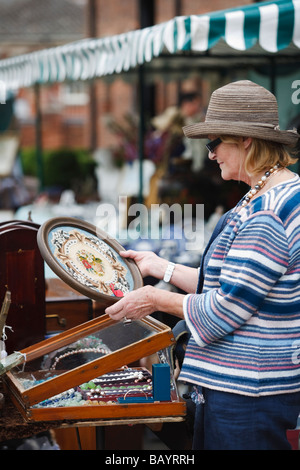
x=245 y=324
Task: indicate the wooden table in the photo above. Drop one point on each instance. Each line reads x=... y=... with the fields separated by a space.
x=80 y=434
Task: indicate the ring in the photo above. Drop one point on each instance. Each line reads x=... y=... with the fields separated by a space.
x=126 y=320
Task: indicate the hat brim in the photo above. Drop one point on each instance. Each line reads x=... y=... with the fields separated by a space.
x=202 y=130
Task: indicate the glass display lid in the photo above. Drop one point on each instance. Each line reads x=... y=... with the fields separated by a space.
x=87 y=372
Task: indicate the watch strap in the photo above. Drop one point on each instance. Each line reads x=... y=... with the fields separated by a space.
x=169 y=272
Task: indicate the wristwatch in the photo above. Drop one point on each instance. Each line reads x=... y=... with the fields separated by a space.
x=169 y=272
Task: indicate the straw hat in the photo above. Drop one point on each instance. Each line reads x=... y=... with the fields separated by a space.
x=243 y=109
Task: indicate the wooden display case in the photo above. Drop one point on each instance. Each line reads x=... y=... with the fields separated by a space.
x=91 y=372
x=41 y=375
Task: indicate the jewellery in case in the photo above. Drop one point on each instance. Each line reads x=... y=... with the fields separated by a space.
x=78 y=351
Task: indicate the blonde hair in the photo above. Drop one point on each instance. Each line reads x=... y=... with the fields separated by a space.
x=262 y=154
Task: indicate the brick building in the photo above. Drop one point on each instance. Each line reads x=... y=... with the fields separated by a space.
x=75 y=114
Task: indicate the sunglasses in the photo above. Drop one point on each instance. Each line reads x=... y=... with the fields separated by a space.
x=211 y=146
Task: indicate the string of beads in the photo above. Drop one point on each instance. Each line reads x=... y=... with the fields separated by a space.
x=260 y=184
x=78 y=351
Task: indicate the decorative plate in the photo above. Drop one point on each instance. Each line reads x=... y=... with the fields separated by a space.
x=87 y=259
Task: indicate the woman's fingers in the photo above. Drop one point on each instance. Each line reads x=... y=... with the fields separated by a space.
x=134 y=305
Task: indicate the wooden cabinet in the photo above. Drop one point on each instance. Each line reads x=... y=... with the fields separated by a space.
x=22 y=274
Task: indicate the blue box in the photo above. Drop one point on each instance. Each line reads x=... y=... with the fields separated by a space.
x=161 y=382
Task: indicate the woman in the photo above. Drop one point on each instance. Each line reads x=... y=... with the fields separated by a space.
x=244 y=352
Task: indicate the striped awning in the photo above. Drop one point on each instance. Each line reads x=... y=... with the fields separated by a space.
x=261 y=28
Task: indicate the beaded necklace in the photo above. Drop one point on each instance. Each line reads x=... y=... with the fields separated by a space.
x=102 y=351
x=118 y=384
x=260 y=184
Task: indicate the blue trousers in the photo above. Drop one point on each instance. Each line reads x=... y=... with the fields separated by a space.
x=228 y=421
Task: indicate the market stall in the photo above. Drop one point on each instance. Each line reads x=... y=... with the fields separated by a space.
x=250 y=33
x=264 y=36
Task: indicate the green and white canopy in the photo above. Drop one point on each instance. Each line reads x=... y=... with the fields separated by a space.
x=260 y=29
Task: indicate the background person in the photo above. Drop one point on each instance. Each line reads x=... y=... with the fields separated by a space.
x=242 y=355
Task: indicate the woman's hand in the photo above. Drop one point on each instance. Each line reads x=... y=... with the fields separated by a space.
x=134 y=305
x=148 y=262
x=184 y=277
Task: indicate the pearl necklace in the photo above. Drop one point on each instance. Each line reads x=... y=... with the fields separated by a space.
x=260 y=184
x=79 y=351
